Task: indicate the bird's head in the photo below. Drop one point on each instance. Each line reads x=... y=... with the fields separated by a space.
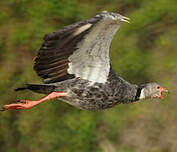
x=117 y=18
x=152 y=90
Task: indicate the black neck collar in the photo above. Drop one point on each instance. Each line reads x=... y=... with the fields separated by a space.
x=138 y=93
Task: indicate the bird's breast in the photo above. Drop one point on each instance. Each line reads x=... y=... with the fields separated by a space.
x=90 y=97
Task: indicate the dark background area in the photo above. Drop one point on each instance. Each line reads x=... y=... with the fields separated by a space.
x=143 y=51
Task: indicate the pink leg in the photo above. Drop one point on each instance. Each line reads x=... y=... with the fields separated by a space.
x=27 y=104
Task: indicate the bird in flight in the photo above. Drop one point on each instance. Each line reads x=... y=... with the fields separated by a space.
x=74 y=64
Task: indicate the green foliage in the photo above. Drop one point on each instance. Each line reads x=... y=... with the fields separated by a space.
x=144 y=50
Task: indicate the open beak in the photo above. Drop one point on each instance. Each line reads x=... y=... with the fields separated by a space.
x=163 y=90
x=125 y=19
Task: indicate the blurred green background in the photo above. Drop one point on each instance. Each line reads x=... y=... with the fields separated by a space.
x=143 y=51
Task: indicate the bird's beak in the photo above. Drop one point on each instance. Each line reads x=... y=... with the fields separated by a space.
x=125 y=19
x=165 y=90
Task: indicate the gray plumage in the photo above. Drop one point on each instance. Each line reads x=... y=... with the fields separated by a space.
x=84 y=95
x=79 y=50
x=76 y=60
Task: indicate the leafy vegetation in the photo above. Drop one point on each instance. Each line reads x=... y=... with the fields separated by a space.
x=143 y=51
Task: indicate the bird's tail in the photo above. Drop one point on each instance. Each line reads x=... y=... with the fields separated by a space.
x=44 y=89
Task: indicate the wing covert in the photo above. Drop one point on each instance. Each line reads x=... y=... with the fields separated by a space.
x=78 y=50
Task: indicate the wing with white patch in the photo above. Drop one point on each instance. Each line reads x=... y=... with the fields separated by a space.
x=79 y=50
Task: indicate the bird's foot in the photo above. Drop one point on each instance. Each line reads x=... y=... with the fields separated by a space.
x=27 y=104
x=22 y=104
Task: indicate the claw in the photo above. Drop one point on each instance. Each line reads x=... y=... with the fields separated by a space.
x=2 y=109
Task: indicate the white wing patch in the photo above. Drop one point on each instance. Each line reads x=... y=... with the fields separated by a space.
x=82 y=29
x=142 y=94
x=91 y=60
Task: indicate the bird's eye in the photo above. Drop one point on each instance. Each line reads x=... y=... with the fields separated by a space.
x=158 y=87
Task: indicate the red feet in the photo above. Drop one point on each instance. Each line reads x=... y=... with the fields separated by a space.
x=27 y=104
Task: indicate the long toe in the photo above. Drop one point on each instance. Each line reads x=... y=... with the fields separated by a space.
x=24 y=105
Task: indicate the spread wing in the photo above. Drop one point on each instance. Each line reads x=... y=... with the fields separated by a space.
x=78 y=50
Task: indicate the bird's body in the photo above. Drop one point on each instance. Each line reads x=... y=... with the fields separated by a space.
x=85 y=95
x=75 y=67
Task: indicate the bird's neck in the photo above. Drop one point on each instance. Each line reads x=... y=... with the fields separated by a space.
x=139 y=94
x=124 y=91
